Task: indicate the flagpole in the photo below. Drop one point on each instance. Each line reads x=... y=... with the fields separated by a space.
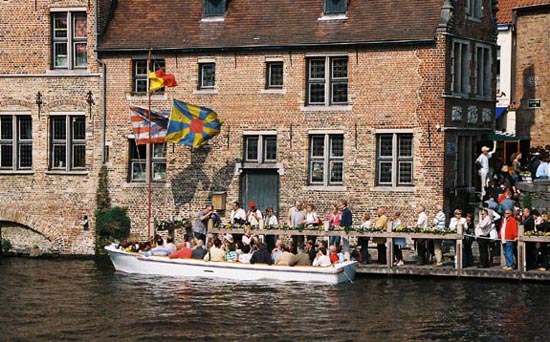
x=148 y=152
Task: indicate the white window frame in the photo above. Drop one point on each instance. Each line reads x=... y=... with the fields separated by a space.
x=143 y=77
x=261 y=148
x=16 y=141
x=326 y=7
x=460 y=67
x=484 y=64
x=71 y=41
x=70 y=142
x=268 y=67
x=158 y=162
x=395 y=159
x=328 y=81
x=202 y=85
x=327 y=160
x=207 y=14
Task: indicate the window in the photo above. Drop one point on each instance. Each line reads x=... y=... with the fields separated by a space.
x=260 y=148
x=483 y=71
x=68 y=142
x=461 y=68
x=474 y=8
x=140 y=74
x=327 y=81
x=138 y=162
x=207 y=75
x=214 y=8
x=274 y=75
x=326 y=159
x=335 y=6
x=70 y=40
x=394 y=159
x=15 y=142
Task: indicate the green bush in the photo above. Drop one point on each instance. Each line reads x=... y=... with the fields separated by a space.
x=112 y=224
x=6 y=245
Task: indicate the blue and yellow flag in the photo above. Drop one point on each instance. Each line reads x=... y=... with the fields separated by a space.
x=191 y=125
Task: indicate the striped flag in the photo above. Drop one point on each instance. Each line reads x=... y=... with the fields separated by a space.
x=140 y=125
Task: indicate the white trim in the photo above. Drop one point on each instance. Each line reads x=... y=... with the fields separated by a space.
x=335 y=188
x=274 y=59
x=155 y=97
x=325 y=131
x=323 y=108
x=395 y=130
x=274 y=132
x=206 y=91
x=273 y=91
x=204 y=60
x=327 y=54
x=15 y=113
x=339 y=16
x=211 y=19
x=67 y=114
x=69 y=9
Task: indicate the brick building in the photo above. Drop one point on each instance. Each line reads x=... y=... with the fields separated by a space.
x=380 y=102
x=50 y=139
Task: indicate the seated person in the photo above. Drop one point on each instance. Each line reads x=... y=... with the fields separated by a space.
x=199 y=251
x=322 y=258
x=159 y=250
x=216 y=252
x=245 y=255
x=231 y=255
x=170 y=245
x=333 y=255
x=277 y=250
x=261 y=256
x=286 y=258
x=182 y=253
x=302 y=258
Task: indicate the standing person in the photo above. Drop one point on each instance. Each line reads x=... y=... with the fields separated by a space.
x=469 y=230
x=422 y=223
x=237 y=215
x=334 y=218
x=508 y=234
x=201 y=223
x=270 y=223
x=381 y=222
x=254 y=215
x=534 y=164
x=516 y=166
x=346 y=221
x=398 y=243
x=483 y=162
x=531 y=252
x=439 y=223
x=311 y=218
x=364 y=241
x=294 y=219
x=483 y=230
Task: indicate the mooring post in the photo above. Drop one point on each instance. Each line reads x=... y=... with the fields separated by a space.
x=521 y=249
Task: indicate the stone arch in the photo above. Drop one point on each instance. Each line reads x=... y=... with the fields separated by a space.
x=68 y=104
x=20 y=103
x=29 y=222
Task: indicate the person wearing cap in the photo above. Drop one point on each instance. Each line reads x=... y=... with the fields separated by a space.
x=483 y=161
x=254 y=215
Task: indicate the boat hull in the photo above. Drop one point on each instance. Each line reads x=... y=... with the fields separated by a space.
x=158 y=265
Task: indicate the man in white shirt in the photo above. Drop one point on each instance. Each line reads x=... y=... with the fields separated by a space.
x=238 y=215
x=483 y=161
x=422 y=223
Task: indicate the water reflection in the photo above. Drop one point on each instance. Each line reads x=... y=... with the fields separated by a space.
x=52 y=300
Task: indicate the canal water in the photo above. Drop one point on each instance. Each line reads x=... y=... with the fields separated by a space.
x=85 y=300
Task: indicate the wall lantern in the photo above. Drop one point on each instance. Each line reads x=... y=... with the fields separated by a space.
x=39 y=102
x=90 y=101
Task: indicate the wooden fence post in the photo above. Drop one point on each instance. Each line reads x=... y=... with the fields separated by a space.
x=458 y=252
x=521 y=249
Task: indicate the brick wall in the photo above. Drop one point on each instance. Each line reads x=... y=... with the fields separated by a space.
x=532 y=74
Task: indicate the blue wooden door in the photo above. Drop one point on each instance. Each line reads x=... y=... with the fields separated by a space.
x=261 y=187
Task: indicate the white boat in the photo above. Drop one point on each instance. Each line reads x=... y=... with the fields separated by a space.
x=160 y=265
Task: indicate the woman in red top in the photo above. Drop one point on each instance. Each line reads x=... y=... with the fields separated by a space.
x=334 y=218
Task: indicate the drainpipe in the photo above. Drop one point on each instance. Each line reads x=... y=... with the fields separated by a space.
x=104 y=87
